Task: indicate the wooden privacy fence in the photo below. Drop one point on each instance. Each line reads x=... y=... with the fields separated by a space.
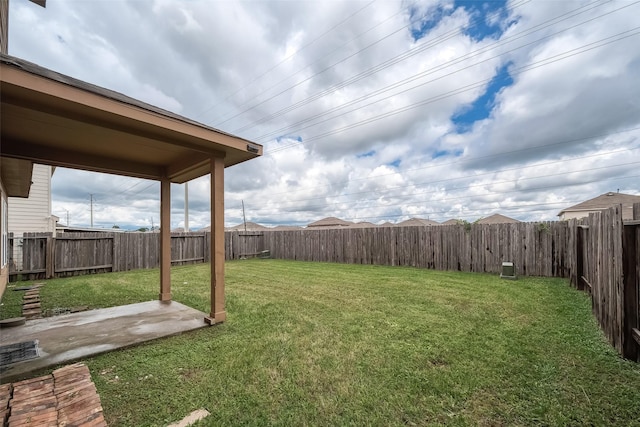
x=604 y=260
x=70 y=254
x=537 y=249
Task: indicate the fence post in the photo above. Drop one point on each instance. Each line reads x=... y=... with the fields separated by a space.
x=115 y=252
x=631 y=315
x=630 y=296
x=579 y=251
x=50 y=257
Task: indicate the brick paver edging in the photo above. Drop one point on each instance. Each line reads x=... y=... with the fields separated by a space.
x=65 y=398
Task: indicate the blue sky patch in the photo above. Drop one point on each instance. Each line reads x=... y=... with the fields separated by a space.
x=367 y=154
x=443 y=153
x=424 y=24
x=294 y=137
x=481 y=108
x=395 y=163
x=485 y=18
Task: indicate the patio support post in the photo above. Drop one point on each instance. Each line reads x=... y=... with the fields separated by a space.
x=165 y=240
x=218 y=313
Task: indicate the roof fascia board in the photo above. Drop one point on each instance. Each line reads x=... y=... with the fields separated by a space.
x=129 y=112
x=117 y=124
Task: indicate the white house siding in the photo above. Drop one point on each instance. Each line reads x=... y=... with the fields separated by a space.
x=33 y=214
x=627 y=213
x=4 y=258
x=567 y=215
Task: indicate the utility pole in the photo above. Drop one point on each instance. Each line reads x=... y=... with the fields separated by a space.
x=186 y=207
x=67 y=211
x=91 y=195
x=244 y=218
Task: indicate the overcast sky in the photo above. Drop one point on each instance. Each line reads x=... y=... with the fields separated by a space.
x=368 y=110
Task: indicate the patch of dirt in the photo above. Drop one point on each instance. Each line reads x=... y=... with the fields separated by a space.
x=189 y=374
x=438 y=362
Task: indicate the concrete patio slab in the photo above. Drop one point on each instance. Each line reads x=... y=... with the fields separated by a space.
x=70 y=337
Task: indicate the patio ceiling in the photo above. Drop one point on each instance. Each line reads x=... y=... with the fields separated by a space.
x=53 y=119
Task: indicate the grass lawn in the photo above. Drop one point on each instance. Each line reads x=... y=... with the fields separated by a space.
x=331 y=344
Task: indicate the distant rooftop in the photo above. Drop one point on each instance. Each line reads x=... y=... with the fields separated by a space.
x=497 y=219
x=330 y=222
x=416 y=222
x=250 y=226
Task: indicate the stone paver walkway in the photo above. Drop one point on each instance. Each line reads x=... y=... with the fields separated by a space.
x=31 y=303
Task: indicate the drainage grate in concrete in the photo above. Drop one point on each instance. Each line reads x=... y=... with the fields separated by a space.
x=13 y=353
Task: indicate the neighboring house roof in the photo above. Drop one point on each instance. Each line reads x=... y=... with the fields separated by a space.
x=496 y=219
x=387 y=224
x=363 y=224
x=286 y=228
x=250 y=226
x=605 y=201
x=330 y=222
x=416 y=222
x=450 y=222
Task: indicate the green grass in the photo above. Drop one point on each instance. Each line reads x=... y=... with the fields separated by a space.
x=330 y=344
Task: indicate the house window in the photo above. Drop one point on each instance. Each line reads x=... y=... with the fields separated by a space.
x=5 y=237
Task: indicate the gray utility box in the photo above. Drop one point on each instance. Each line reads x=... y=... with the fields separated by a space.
x=508 y=271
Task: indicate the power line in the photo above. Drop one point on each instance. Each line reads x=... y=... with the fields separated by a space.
x=393 y=61
x=421 y=48
x=413 y=78
x=468 y=159
x=555 y=58
x=469 y=200
x=401 y=197
x=273 y=67
x=474 y=176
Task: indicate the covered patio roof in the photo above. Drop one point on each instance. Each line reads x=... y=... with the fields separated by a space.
x=53 y=119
